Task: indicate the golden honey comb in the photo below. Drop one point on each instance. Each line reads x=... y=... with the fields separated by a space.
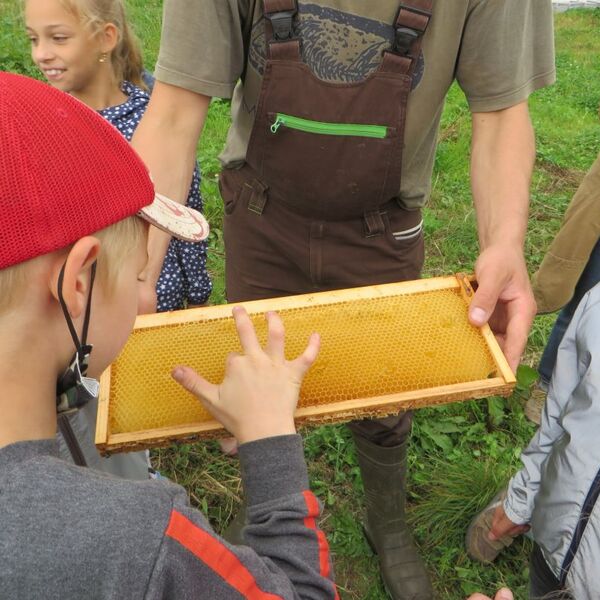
x=383 y=348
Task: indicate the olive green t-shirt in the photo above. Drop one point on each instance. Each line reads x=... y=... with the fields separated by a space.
x=499 y=51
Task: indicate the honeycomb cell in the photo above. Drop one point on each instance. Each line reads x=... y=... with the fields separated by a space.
x=370 y=347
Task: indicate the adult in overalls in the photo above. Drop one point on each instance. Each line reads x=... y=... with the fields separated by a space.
x=336 y=109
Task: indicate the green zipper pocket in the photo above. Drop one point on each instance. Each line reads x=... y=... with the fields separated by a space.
x=318 y=127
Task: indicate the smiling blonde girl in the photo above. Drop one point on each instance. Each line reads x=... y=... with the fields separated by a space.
x=86 y=48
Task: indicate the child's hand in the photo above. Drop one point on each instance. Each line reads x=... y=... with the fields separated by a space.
x=258 y=397
x=503 y=594
x=503 y=526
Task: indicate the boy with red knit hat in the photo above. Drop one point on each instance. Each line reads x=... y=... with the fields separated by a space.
x=71 y=246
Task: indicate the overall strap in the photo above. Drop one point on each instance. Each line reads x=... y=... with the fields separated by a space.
x=409 y=29
x=282 y=43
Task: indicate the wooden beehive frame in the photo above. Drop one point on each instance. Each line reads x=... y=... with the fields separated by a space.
x=500 y=385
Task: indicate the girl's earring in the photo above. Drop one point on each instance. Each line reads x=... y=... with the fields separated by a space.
x=103 y=57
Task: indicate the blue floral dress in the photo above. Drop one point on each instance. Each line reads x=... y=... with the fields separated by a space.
x=184 y=278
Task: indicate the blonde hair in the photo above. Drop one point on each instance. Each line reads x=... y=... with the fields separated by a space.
x=118 y=241
x=126 y=58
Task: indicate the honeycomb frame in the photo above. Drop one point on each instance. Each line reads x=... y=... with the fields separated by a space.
x=469 y=363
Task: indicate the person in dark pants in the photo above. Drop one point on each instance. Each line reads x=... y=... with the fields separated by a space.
x=543 y=583
x=335 y=113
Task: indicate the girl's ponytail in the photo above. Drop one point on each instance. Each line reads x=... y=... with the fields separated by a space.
x=127 y=58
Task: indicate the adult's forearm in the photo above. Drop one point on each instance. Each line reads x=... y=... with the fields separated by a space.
x=166 y=139
x=502 y=160
x=503 y=154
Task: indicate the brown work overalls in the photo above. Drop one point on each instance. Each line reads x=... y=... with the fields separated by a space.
x=315 y=206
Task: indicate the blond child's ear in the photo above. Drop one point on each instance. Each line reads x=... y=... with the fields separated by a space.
x=108 y=37
x=77 y=274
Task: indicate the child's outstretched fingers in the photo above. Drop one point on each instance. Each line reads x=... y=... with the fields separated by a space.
x=194 y=383
x=259 y=393
x=245 y=330
x=275 y=347
x=305 y=361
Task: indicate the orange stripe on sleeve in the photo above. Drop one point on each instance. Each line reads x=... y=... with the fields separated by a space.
x=216 y=556
x=310 y=522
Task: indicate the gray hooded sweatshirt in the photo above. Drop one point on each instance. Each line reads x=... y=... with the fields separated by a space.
x=71 y=533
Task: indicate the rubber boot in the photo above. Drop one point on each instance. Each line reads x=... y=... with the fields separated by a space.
x=384 y=477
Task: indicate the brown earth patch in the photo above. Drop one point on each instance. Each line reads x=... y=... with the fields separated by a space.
x=559 y=178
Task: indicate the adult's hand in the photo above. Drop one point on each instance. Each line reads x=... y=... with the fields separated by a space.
x=504 y=299
x=503 y=594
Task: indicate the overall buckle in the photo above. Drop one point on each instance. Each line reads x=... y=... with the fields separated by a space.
x=403 y=40
x=404 y=37
x=282 y=24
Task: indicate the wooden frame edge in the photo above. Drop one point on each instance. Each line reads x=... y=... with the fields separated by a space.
x=102 y=429
x=300 y=301
x=348 y=410
x=468 y=293
x=498 y=355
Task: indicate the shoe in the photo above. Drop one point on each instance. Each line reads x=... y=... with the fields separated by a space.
x=535 y=405
x=479 y=546
x=384 y=477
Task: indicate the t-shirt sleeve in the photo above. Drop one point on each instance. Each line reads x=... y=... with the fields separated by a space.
x=507 y=52
x=286 y=555
x=202 y=47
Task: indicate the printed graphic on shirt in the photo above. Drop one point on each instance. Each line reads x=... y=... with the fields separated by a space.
x=339 y=47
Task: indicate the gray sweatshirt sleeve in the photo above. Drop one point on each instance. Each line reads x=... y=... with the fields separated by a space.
x=286 y=557
x=524 y=486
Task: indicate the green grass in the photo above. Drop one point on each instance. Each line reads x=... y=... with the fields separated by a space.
x=462 y=453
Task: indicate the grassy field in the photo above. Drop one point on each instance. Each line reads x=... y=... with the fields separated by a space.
x=461 y=453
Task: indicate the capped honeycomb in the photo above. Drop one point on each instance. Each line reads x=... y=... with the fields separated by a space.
x=375 y=346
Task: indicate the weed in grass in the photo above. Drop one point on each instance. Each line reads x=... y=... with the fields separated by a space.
x=211 y=478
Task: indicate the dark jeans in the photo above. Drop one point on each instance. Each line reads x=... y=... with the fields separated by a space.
x=589 y=278
x=543 y=584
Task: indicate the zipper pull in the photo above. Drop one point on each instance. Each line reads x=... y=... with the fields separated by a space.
x=278 y=123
